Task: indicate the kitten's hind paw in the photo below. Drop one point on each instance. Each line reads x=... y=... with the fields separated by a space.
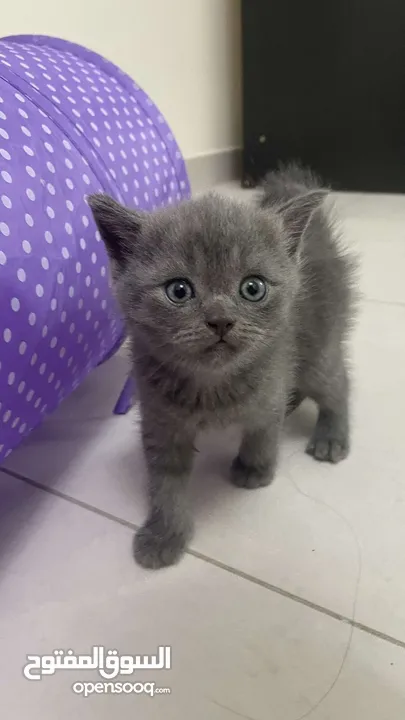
x=153 y=550
x=249 y=477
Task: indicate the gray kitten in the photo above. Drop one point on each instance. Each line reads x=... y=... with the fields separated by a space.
x=235 y=313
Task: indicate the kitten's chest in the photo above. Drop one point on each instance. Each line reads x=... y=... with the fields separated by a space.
x=220 y=406
x=205 y=404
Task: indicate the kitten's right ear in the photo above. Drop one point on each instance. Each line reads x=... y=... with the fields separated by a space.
x=119 y=227
x=297 y=213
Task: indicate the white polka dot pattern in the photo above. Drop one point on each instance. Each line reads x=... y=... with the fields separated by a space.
x=71 y=124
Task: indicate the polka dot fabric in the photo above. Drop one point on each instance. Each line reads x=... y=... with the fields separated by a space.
x=71 y=124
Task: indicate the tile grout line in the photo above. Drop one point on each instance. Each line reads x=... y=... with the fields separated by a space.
x=389 y=303
x=217 y=563
x=68 y=498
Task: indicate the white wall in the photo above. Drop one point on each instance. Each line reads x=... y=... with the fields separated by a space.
x=185 y=53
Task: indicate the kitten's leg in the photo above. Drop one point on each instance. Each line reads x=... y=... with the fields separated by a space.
x=294 y=401
x=168 y=528
x=255 y=465
x=330 y=439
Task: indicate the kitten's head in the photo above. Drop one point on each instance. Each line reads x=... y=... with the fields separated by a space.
x=207 y=284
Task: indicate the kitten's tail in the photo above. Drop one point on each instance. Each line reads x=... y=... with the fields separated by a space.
x=287 y=182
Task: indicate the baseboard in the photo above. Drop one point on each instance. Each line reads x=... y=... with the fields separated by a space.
x=206 y=171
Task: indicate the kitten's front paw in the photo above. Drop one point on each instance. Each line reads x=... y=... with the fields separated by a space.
x=328 y=446
x=249 y=477
x=153 y=550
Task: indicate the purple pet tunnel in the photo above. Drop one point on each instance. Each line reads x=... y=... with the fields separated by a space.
x=71 y=124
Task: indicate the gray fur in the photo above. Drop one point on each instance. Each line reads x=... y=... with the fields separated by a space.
x=275 y=352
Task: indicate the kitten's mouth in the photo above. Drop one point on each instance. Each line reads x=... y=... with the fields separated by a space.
x=218 y=346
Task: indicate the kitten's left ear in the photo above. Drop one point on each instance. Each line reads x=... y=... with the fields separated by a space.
x=297 y=214
x=119 y=227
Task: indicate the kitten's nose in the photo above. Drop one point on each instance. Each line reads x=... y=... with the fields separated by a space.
x=220 y=326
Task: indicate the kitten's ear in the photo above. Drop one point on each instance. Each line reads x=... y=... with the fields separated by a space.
x=297 y=213
x=119 y=227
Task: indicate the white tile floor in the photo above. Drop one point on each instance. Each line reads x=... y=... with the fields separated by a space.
x=291 y=602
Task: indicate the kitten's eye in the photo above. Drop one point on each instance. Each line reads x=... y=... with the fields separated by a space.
x=179 y=291
x=253 y=289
